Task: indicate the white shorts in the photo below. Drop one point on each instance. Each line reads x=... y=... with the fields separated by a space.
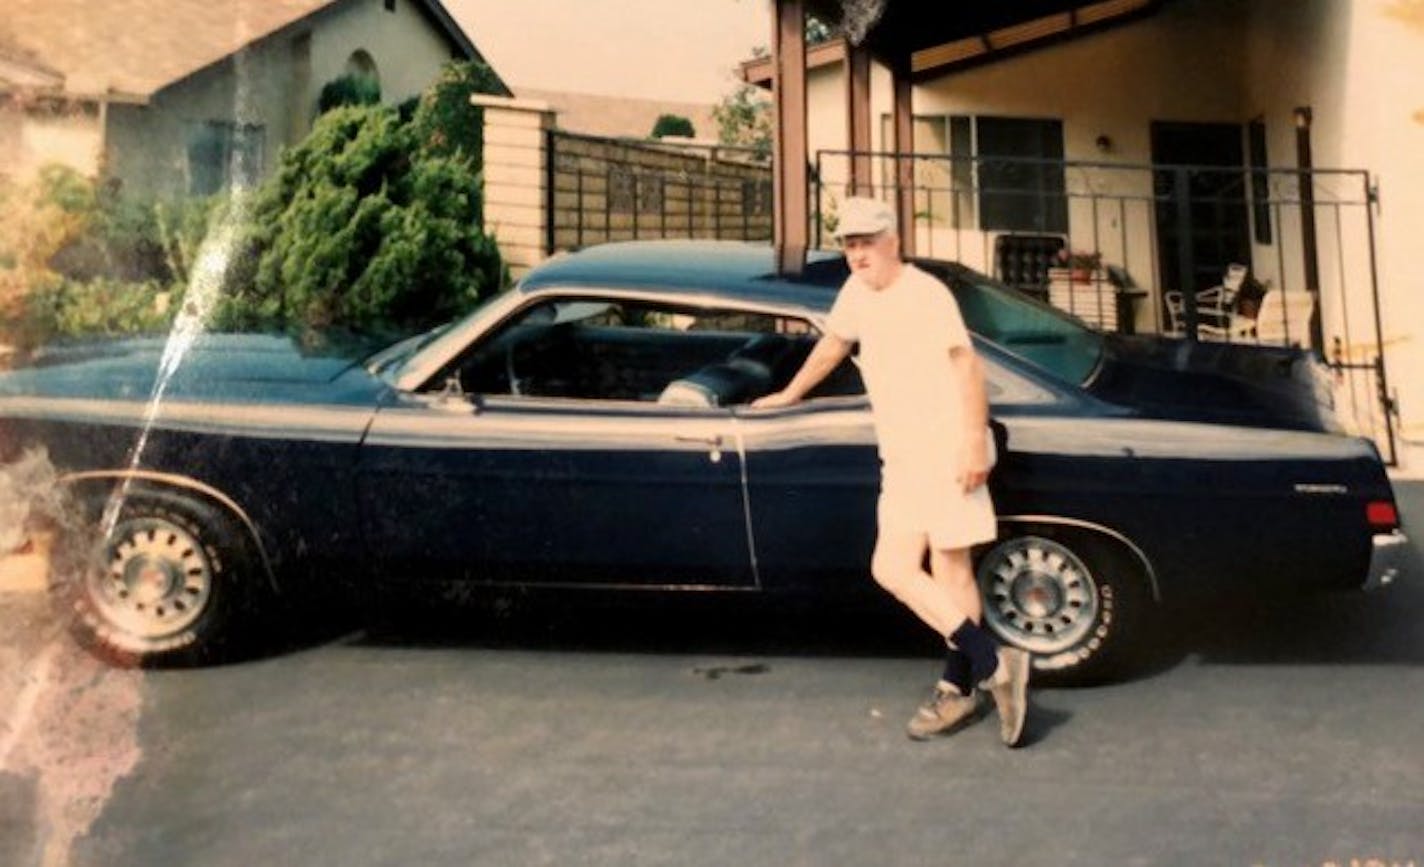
x=934 y=505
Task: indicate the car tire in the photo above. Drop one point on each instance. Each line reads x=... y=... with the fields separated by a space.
x=169 y=585
x=1076 y=601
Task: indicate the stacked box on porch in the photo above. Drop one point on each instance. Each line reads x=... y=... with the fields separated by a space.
x=1084 y=294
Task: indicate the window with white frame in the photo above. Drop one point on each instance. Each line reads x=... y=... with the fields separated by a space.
x=989 y=173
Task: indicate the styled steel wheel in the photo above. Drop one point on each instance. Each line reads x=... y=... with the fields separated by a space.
x=156 y=581
x=167 y=583
x=1038 y=595
x=1068 y=601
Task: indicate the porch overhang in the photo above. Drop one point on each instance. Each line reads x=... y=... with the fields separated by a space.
x=970 y=35
x=926 y=37
x=915 y=41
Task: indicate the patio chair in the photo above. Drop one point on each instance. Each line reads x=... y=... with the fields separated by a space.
x=1215 y=307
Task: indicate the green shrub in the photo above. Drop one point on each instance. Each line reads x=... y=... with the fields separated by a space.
x=102 y=306
x=444 y=120
x=65 y=188
x=672 y=124
x=743 y=118
x=352 y=89
x=361 y=228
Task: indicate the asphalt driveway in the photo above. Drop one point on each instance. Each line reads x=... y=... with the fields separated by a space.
x=1279 y=733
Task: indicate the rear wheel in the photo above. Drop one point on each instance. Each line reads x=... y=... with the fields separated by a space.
x=1076 y=602
x=168 y=583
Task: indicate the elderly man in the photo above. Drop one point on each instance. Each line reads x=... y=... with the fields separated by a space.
x=926 y=388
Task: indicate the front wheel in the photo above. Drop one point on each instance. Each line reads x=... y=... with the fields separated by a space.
x=1075 y=603
x=167 y=584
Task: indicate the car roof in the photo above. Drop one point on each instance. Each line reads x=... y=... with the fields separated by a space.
x=739 y=270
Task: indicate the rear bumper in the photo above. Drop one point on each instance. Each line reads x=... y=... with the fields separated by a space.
x=1390 y=554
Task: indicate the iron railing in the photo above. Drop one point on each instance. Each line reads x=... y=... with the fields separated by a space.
x=1147 y=248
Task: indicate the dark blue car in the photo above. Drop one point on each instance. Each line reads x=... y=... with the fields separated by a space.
x=589 y=429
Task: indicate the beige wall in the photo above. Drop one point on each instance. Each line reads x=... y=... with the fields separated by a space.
x=148 y=144
x=406 y=46
x=30 y=138
x=1384 y=131
x=1360 y=67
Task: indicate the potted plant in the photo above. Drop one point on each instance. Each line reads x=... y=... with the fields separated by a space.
x=1077 y=266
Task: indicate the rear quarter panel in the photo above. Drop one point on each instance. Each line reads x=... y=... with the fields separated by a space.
x=1213 y=508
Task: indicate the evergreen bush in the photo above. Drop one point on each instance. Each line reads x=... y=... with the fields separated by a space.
x=672 y=124
x=351 y=89
x=363 y=228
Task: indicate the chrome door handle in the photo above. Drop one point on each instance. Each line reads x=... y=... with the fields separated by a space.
x=713 y=444
x=714 y=441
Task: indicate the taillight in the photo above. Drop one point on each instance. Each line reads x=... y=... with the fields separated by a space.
x=1381 y=515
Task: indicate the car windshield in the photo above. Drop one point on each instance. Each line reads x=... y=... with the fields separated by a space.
x=392 y=361
x=394 y=355
x=1046 y=336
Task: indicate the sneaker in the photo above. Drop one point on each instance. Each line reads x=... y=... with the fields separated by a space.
x=944 y=712
x=1009 y=686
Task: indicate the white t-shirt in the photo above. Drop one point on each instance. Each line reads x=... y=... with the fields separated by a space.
x=906 y=331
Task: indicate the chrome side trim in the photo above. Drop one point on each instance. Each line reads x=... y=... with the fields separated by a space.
x=1097 y=528
x=1390 y=553
x=338 y=424
x=192 y=485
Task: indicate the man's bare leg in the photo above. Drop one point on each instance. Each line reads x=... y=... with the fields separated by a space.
x=897 y=565
x=952 y=570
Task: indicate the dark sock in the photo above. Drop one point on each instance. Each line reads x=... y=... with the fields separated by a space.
x=957 y=671
x=981 y=648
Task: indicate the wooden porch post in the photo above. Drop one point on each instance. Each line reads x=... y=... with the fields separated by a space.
x=790 y=190
x=1305 y=161
x=904 y=168
x=857 y=64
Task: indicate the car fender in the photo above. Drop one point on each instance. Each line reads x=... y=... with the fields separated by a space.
x=1121 y=539
x=191 y=486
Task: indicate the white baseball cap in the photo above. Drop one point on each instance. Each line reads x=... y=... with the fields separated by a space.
x=859 y=215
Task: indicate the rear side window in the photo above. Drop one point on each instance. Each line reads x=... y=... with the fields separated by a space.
x=1049 y=338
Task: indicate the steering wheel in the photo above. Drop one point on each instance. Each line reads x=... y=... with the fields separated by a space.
x=509 y=372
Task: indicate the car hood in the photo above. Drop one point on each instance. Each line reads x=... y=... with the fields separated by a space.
x=212 y=366
x=1243 y=384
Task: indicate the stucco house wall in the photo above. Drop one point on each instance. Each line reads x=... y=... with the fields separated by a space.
x=30 y=137
x=407 y=48
x=1360 y=67
x=148 y=144
x=274 y=85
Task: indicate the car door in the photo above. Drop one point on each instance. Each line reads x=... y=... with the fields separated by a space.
x=813 y=476
x=555 y=491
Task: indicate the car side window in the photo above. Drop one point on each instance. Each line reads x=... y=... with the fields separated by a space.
x=622 y=350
